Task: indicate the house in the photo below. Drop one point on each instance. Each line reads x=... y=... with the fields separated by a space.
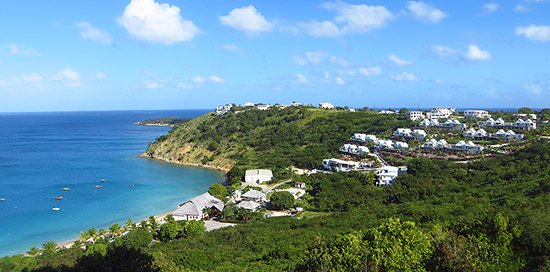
x=255 y=196
x=299 y=185
x=437 y=113
x=195 y=209
x=337 y=165
x=429 y=123
x=386 y=175
x=402 y=132
x=499 y=122
x=401 y=145
x=295 y=104
x=223 y=109
x=430 y=144
x=248 y=104
x=419 y=134
x=258 y=175
x=361 y=150
x=326 y=105
x=511 y=135
x=371 y=138
x=415 y=115
x=249 y=205
x=453 y=124
x=263 y=106
x=349 y=148
x=384 y=144
x=470 y=133
x=477 y=114
x=501 y=133
x=480 y=133
x=360 y=137
x=387 y=112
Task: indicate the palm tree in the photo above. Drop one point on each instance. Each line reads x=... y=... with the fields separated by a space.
x=169 y=218
x=49 y=247
x=34 y=251
x=115 y=230
x=92 y=233
x=84 y=236
x=153 y=224
x=130 y=225
x=101 y=233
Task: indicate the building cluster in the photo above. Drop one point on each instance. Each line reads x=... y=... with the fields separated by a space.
x=354 y=149
x=452 y=124
x=380 y=144
x=480 y=114
x=435 y=113
x=408 y=134
x=460 y=147
x=501 y=134
x=251 y=200
x=501 y=124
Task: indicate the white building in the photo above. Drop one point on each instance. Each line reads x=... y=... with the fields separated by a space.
x=337 y=165
x=194 y=209
x=477 y=113
x=254 y=196
x=248 y=104
x=437 y=113
x=387 y=112
x=359 y=137
x=249 y=205
x=401 y=145
x=415 y=115
x=419 y=134
x=326 y=105
x=349 y=148
x=223 y=109
x=402 y=132
x=258 y=175
x=429 y=123
x=386 y=175
x=263 y=106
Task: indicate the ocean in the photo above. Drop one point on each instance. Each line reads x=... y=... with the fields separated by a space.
x=41 y=153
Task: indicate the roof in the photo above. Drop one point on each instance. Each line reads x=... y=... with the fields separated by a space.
x=253 y=194
x=249 y=205
x=195 y=206
x=259 y=172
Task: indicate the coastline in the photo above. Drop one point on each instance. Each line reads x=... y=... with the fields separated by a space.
x=205 y=166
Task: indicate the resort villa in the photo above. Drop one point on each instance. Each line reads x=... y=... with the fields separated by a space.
x=386 y=175
x=337 y=165
x=194 y=209
x=258 y=176
x=326 y=105
x=254 y=196
x=477 y=114
x=415 y=115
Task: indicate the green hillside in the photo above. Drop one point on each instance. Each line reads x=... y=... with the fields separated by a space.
x=273 y=139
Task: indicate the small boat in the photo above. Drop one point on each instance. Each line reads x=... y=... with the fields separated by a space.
x=58 y=197
x=56 y=209
x=131 y=185
x=98 y=186
x=103 y=180
x=66 y=189
x=2 y=199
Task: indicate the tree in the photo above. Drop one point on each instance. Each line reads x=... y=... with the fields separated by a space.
x=96 y=249
x=34 y=251
x=397 y=246
x=217 y=190
x=169 y=231
x=130 y=225
x=403 y=111
x=49 y=247
x=137 y=238
x=281 y=200
x=346 y=253
x=192 y=227
x=525 y=110
x=115 y=230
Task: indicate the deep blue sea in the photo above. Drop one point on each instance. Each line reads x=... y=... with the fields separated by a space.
x=41 y=153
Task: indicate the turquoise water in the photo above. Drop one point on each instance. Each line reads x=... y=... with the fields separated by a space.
x=41 y=153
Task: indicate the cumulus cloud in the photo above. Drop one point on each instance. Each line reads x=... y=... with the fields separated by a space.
x=474 y=53
x=68 y=77
x=233 y=48
x=324 y=29
x=444 y=51
x=156 y=22
x=339 y=81
x=404 y=76
x=216 y=79
x=398 y=61
x=197 y=82
x=247 y=19
x=491 y=7
x=359 y=18
x=100 y=76
x=425 y=12
x=154 y=84
x=370 y=71
x=521 y=8
x=89 y=32
x=534 y=32
x=15 y=49
x=313 y=57
x=533 y=88
x=301 y=79
x=186 y=86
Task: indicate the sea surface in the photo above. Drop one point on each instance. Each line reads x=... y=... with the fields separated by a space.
x=41 y=153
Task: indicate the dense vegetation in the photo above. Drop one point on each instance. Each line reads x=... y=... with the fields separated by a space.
x=273 y=139
x=163 y=122
x=487 y=215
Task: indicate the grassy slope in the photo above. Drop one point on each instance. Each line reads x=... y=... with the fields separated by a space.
x=275 y=139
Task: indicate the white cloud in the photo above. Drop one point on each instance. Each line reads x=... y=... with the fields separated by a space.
x=154 y=84
x=358 y=18
x=425 y=12
x=198 y=80
x=325 y=29
x=521 y=8
x=88 y=32
x=233 y=48
x=14 y=49
x=535 y=32
x=398 y=61
x=533 y=88
x=444 y=51
x=339 y=61
x=301 y=79
x=100 y=76
x=404 y=76
x=186 y=86
x=370 y=71
x=474 y=53
x=339 y=81
x=216 y=79
x=491 y=7
x=247 y=19
x=156 y=22
x=69 y=77
x=313 y=57
x=34 y=78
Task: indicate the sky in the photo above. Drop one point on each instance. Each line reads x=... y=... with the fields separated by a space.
x=68 y=55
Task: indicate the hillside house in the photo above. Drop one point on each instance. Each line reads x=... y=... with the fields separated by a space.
x=254 y=196
x=326 y=105
x=386 y=175
x=415 y=115
x=477 y=114
x=249 y=205
x=195 y=209
x=337 y=165
x=258 y=176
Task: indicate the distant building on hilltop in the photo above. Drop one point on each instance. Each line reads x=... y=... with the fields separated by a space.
x=326 y=105
x=258 y=175
x=477 y=114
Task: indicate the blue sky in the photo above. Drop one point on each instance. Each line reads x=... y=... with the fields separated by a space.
x=178 y=54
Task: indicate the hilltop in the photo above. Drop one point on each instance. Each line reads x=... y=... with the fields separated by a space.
x=275 y=139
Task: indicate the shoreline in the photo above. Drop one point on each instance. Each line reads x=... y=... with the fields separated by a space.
x=205 y=166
